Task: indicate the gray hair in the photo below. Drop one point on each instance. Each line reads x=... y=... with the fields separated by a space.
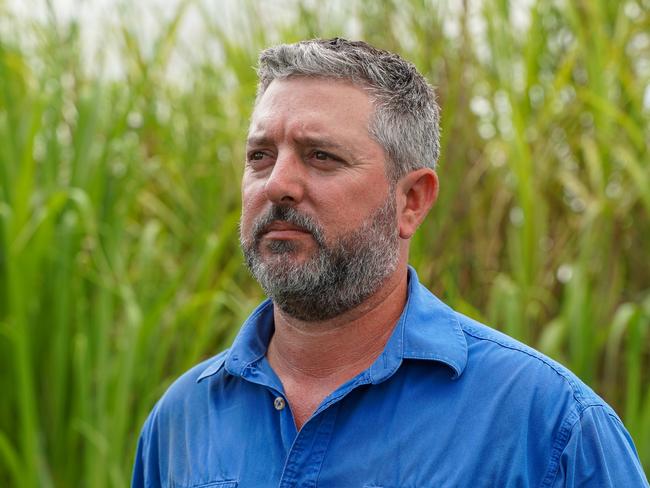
x=406 y=120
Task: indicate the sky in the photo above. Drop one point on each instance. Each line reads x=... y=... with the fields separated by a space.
x=100 y=16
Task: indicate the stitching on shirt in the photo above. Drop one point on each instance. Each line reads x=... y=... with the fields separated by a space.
x=559 y=445
x=252 y=318
x=215 y=359
x=218 y=484
x=582 y=402
x=575 y=389
x=436 y=357
x=446 y=361
x=364 y=379
x=400 y=339
x=428 y=355
x=457 y=366
x=327 y=443
x=258 y=312
x=399 y=346
x=563 y=437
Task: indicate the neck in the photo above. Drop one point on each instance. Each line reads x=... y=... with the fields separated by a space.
x=313 y=358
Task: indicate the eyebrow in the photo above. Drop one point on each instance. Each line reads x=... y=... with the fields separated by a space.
x=323 y=142
x=257 y=141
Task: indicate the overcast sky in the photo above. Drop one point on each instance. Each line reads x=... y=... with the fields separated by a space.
x=99 y=17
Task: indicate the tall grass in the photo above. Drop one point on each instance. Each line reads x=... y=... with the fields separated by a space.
x=119 y=203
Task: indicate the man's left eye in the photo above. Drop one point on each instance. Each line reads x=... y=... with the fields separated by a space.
x=322 y=156
x=324 y=160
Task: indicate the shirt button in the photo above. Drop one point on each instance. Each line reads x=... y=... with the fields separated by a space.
x=278 y=403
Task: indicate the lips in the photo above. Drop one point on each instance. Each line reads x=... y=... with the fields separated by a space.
x=286 y=223
x=283 y=230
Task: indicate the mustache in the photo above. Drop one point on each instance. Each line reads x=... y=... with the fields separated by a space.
x=291 y=216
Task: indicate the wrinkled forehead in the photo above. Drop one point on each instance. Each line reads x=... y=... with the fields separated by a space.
x=313 y=101
x=359 y=83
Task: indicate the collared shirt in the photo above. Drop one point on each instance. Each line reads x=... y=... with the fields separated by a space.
x=448 y=403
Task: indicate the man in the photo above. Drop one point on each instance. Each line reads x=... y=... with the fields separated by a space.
x=353 y=374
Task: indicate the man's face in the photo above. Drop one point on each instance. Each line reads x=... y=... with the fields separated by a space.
x=318 y=226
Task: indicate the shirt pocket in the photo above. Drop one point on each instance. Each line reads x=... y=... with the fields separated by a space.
x=217 y=484
x=375 y=485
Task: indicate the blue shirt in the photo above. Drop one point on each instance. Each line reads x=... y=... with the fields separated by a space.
x=448 y=403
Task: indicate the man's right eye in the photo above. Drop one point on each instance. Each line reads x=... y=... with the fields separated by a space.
x=258 y=160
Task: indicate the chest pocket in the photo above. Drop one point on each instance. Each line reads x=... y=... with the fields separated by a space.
x=385 y=486
x=217 y=484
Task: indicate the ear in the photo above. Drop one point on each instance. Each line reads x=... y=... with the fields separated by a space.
x=417 y=192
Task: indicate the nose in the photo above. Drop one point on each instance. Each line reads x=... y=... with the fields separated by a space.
x=285 y=184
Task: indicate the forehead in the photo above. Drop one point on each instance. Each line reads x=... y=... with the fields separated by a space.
x=312 y=105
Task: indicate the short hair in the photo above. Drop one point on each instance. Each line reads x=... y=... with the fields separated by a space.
x=406 y=117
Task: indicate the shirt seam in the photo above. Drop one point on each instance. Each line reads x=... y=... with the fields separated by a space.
x=364 y=379
x=253 y=317
x=259 y=356
x=221 y=357
x=575 y=390
x=573 y=417
x=402 y=323
x=458 y=366
x=562 y=440
x=327 y=443
x=445 y=360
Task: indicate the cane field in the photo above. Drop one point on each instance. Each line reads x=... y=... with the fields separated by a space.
x=119 y=200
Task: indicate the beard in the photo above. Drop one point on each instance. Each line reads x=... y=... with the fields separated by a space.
x=338 y=276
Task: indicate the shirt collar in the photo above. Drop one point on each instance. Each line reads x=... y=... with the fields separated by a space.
x=250 y=344
x=427 y=330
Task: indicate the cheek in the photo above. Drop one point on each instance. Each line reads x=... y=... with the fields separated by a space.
x=247 y=219
x=249 y=211
x=252 y=196
x=352 y=204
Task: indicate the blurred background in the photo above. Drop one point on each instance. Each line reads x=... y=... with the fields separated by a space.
x=122 y=128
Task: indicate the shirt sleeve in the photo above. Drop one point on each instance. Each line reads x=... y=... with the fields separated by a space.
x=137 y=479
x=145 y=467
x=599 y=452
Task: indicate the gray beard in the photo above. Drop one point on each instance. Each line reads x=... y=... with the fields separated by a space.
x=338 y=277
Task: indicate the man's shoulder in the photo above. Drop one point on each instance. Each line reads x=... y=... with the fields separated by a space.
x=189 y=385
x=508 y=359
